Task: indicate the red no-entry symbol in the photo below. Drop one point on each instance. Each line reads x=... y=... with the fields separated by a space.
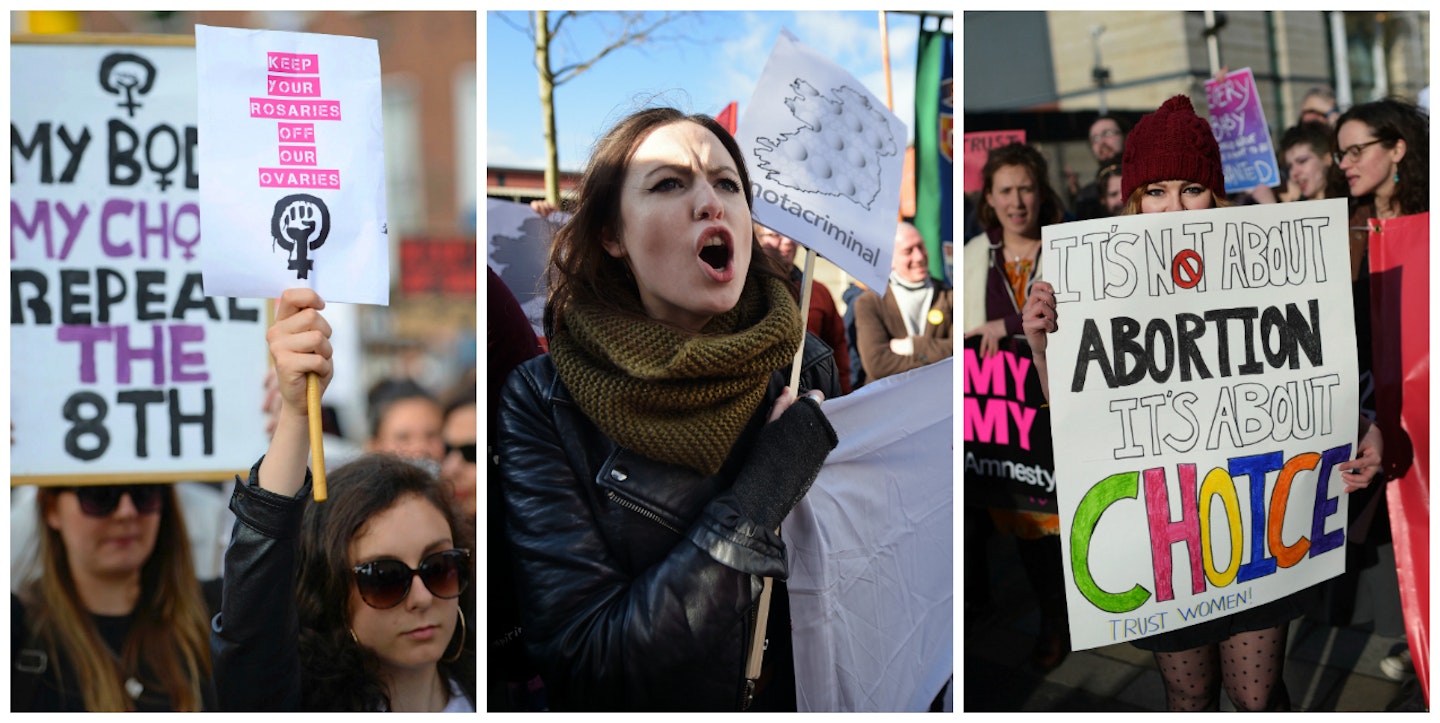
x=1187 y=269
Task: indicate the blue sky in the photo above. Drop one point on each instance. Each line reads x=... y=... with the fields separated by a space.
x=713 y=58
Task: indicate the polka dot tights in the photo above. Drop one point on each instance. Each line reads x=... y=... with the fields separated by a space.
x=1248 y=664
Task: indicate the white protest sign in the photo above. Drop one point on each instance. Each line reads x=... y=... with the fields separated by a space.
x=518 y=250
x=870 y=549
x=825 y=160
x=121 y=368
x=1203 y=388
x=293 y=128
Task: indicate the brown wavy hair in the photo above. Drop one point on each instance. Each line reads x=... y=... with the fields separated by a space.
x=341 y=674
x=171 y=630
x=1392 y=120
x=1019 y=154
x=579 y=270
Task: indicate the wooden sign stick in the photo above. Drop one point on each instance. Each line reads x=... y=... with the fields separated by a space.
x=805 y=287
x=317 y=436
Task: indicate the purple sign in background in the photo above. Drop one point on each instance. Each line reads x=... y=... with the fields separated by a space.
x=1238 y=122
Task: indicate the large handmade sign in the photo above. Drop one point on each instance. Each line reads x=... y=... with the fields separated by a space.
x=1203 y=389
x=294 y=120
x=121 y=367
x=825 y=160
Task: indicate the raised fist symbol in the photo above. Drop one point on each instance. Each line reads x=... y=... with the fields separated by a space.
x=300 y=225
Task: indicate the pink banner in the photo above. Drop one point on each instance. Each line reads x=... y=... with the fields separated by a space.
x=977 y=149
x=1400 y=312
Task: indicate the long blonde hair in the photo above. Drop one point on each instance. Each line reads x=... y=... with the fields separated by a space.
x=171 y=631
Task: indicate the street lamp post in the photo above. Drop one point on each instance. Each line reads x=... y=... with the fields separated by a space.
x=1100 y=74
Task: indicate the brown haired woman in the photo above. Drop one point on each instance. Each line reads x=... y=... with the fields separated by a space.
x=116 y=620
x=650 y=457
x=1000 y=266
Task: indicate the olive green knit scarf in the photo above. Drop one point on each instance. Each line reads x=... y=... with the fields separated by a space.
x=672 y=395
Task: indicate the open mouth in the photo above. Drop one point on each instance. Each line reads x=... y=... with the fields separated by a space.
x=717 y=252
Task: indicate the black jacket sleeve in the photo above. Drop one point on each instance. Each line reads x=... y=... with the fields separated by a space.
x=254 y=639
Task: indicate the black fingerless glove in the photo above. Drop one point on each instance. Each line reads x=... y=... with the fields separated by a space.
x=784 y=463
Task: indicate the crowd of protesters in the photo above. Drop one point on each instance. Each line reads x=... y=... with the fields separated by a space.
x=1373 y=154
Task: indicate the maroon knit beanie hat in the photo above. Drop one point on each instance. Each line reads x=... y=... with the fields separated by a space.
x=1172 y=144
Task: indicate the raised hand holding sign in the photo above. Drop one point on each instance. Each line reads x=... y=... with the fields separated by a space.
x=315 y=170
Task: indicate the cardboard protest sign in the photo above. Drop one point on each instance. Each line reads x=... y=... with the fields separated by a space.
x=121 y=367
x=1238 y=121
x=1009 y=456
x=1400 y=314
x=870 y=550
x=977 y=150
x=1203 y=388
x=825 y=159
x=294 y=123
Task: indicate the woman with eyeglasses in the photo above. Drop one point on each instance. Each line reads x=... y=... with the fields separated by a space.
x=1172 y=163
x=115 y=620
x=1384 y=153
x=648 y=459
x=351 y=604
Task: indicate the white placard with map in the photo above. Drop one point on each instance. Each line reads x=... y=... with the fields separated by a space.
x=825 y=160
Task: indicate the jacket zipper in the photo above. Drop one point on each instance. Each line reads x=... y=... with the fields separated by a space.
x=647 y=514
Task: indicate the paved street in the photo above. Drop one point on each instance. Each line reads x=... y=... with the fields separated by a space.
x=1327 y=668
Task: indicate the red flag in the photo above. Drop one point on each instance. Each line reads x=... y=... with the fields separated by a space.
x=1400 y=312
x=727 y=117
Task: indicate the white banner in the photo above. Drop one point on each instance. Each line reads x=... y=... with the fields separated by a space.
x=825 y=159
x=870 y=550
x=1203 y=387
x=120 y=364
x=293 y=122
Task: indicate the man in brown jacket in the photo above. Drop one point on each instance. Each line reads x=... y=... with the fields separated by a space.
x=911 y=326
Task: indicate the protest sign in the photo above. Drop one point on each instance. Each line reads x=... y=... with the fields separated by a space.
x=294 y=123
x=1203 y=388
x=977 y=150
x=1009 y=456
x=519 y=250
x=122 y=368
x=870 y=551
x=825 y=159
x=1238 y=121
x=1400 y=315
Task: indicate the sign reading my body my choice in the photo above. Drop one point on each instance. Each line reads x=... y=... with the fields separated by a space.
x=120 y=365
x=1203 y=389
x=294 y=120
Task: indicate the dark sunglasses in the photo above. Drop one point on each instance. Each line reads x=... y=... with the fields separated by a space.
x=466 y=450
x=103 y=500
x=385 y=583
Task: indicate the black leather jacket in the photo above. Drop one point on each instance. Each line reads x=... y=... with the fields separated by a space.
x=637 y=579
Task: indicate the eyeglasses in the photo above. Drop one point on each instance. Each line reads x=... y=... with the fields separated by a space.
x=385 y=583
x=466 y=450
x=102 y=501
x=1102 y=135
x=1353 y=152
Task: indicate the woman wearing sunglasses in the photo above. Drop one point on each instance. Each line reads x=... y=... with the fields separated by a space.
x=648 y=460
x=1172 y=163
x=116 y=620
x=352 y=604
